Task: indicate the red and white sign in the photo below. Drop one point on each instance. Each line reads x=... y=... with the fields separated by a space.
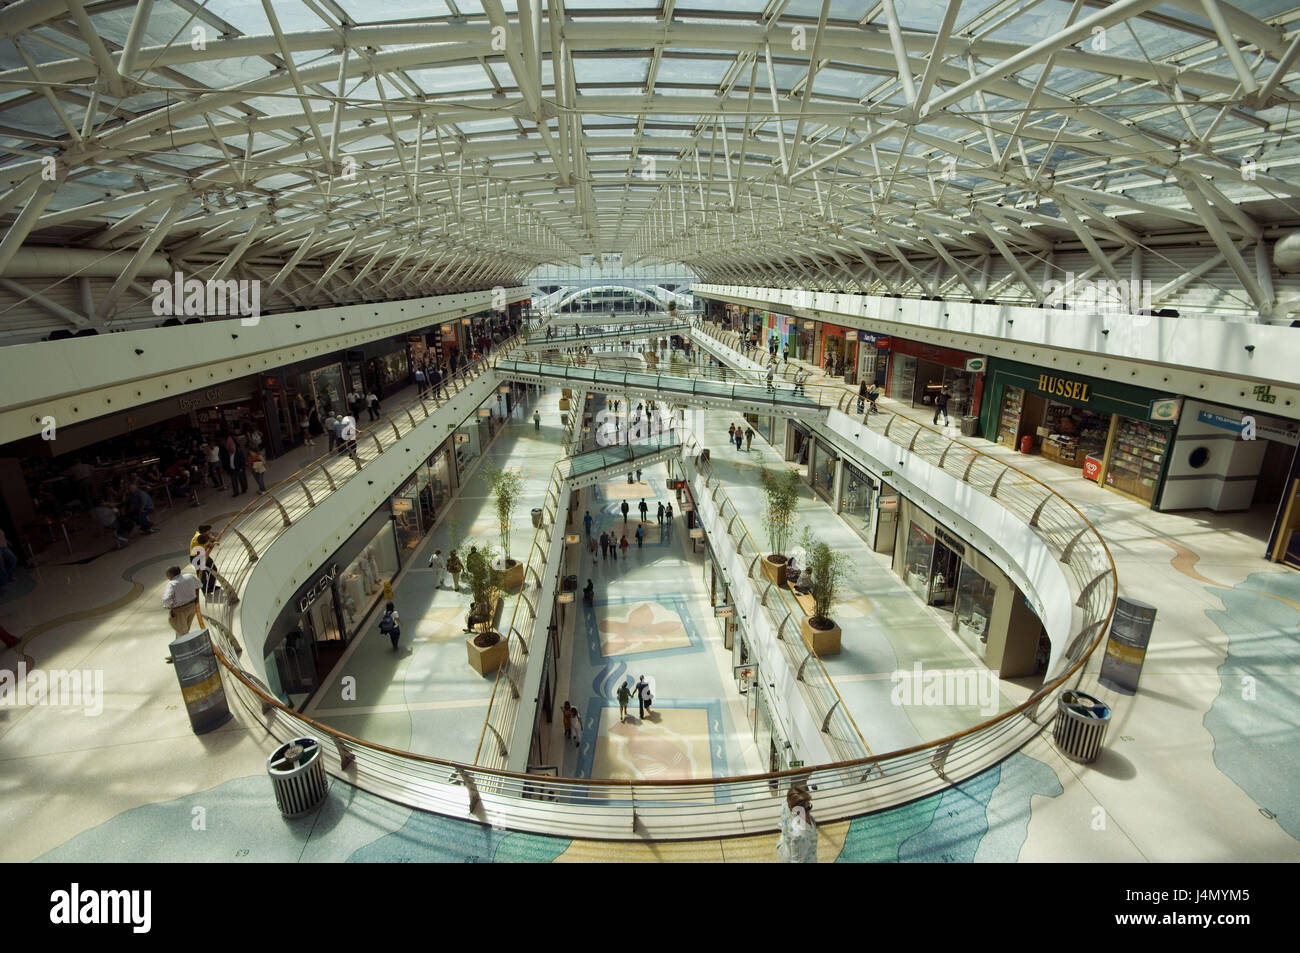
x=1091 y=468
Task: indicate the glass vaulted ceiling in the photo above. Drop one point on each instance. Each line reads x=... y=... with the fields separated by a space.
x=732 y=136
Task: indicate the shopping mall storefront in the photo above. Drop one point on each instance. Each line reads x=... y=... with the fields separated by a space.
x=1116 y=433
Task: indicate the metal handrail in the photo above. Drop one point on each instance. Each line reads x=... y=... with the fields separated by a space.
x=554 y=486
x=595 y=808
x=746 y=536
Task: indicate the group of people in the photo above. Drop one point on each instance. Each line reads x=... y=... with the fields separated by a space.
x=181 y=592
x=738 y=435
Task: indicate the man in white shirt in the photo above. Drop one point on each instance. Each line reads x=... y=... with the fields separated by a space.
x=181 y=600
x=437 y=564
x=348 y=435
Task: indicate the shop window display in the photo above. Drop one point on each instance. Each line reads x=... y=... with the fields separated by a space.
x=1013 y=402
x=974 y=607
x=327 y=388
x=823 y=470
x=1073 y=434
x=855 y=501
x=917 y=559
x=1137 y=457
x=362 y=583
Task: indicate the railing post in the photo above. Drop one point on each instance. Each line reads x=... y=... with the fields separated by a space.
x=284 y=515
x=940 y=758
x=252 y=553
x=311 y=502
x=346 y=757
x=329 y=477
x=826 y=722
x=1069 y=547
x=397 y=434
x=470 y=786
x=1038 y=510
x=993 y=492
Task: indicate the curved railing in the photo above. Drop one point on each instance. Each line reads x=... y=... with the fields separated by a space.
x=503 y=706
x=249 y=533
x=720 y=806
x=839 y=731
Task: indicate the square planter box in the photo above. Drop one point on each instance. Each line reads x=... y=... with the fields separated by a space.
x=774 y=571
x=488 y=660
x=821 y=641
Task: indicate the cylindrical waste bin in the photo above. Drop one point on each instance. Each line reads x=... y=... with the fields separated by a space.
x=1026 y=444
x=537 y=516
x=1080 y=727
x=297 y=772
x=970 y=426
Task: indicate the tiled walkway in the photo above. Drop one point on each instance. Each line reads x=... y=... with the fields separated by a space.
x=425 y=697
x=886 y=628
x=652 y=616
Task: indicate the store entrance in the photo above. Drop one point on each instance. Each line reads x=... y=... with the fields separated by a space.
x=943 y=576
x=328 y=637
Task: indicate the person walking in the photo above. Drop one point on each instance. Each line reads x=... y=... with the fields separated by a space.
x=372 y=405
x=589 y=593
x=660 y=514
x=537 y=420
x=749 y=438
x=785 y=354
x=604 y=546
x=643 y=696
x=212 y=454
x=640 y=535
x=800 y=379
x=625 y=508
x=305 y=424
x=941 y=406
x=638 y=474
x=391 y=624
x=567 y=712
x=668 y=514
x=336 y=429
x=258 y=466
x=348 y=436
x=455 y=567
x=235 y=463
x=798 y=841
x=731 y=433
x=624 y=696
x=438 y=566
x=591 y=547
x=771 y=375
x=862 y=396
x=181 y=600
x=622 y=544
x=740 y=437
x=577 y=727
x=873 y=395
x=586 y=522
x=643 y=508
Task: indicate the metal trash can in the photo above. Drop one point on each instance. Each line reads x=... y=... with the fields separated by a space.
x=970 y=426
x=537 y=516
x=1080 y=726
x=297 y=771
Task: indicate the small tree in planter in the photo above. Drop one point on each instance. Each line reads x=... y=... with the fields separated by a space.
x=506 y=488
x=672 y=309
x=828 y=569
x=782 y=489
x=485 y=646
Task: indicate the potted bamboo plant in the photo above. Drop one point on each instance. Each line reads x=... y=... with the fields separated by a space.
x=782 y=490
x=828 y=569
x=486 y=648
x=506 y=488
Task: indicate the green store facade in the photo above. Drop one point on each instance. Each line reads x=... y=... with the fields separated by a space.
x=1115 y=433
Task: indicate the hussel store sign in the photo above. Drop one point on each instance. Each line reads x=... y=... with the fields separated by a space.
x=1060 y=387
